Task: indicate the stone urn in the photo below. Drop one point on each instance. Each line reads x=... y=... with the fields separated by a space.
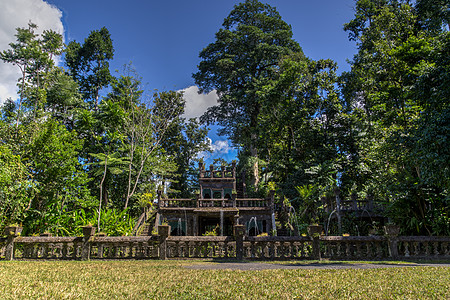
x=315 y=230
x=391 y=229
x=88 y=230
x=12 y=230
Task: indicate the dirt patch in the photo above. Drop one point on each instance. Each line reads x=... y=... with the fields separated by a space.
x=255 y=266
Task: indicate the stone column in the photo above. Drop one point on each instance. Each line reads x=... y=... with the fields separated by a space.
x=314 y=232
x=11 y=233
x=163 y=234
x=392 y=231
x=195 y=225
x=239 y=236
x=88 y=232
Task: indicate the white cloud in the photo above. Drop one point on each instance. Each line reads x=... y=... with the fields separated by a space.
x=196 y=104
x=14 y=14
x=219 y=148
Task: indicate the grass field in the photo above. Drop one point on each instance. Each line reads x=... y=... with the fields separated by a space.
x=171 y=280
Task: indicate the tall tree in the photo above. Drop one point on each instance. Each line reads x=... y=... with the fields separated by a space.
x=33 y=54
x=89 y=64
x=238 y=64
x=391 y=105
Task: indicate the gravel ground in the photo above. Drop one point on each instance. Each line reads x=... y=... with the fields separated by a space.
x=254 y=266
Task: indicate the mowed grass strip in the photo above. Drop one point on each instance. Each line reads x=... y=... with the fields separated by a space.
x=170 y=280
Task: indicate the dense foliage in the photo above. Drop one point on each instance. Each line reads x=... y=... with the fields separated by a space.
x=379 y=131
x=73 y=152
x=70 y=156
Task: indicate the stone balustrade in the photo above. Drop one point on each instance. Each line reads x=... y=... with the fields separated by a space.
x=201 y=247
x=215 y=203
x=354 y=247
x=177 y=203
x=252 y=202
x=165 y=246
x=423 y=246
x=278 y=247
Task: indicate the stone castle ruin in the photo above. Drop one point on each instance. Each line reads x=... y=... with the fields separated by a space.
x=218 y=207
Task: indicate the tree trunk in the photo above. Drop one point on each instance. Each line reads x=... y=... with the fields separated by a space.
x=255 y=166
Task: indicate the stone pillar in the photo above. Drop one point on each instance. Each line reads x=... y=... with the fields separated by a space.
x=239 y=236
x=11 y=233
x=314 y=232
x=88 y=232
x=392 y=232
x=163 y=233
x=200 y=168
x=159 y=198
x=195 y=225
x=221 y=222
x=236 y=219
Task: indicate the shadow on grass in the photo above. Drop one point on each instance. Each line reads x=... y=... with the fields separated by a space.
x=234 y=264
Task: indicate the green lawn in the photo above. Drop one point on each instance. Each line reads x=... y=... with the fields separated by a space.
x=170 y=280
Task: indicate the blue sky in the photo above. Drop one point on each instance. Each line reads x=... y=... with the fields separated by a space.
x=162 y=39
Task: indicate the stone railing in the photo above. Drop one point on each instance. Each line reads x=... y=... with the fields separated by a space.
x=215 y=203
x=177 y=203
x=201 y=203
x=201 y=247
x=278 y=247
x=84 y=248
x=423 y=247
x=163 y=246
x=354 y=247
x=252 y=202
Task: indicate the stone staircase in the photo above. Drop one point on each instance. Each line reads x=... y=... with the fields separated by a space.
x=147 y=226
x=145 y=230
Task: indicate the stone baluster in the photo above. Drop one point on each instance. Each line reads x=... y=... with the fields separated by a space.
x=368 y=250
x=205 y=249
x=196 y=249
x=427 y=248
x=406 y=246
x=435 y=249
x=292 y=249
x=358 y=249
x=379 y=250
x=348 y=254
x=45 y=250
x=338 y=250
x=416 y=248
